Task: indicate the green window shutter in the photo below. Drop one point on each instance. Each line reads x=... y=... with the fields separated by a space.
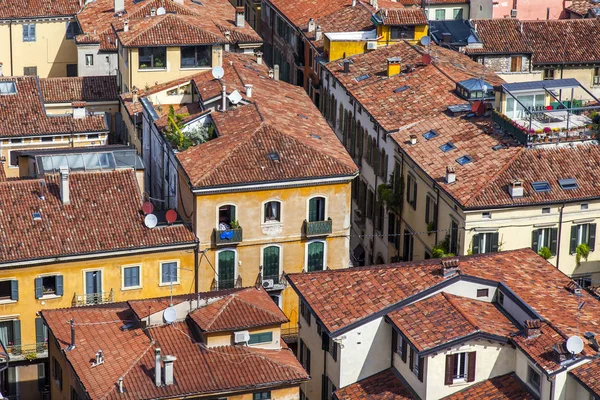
x=495 y=244
x=476 y=240
x=312 y=209
x=226 y=272
x=415 y=194
x=17 y=332
x=315 y=256
x=41 y=332
x=271 y=262
x=553 y=240
x=535 y=234
x=592 y=237
x=39 y=290
x=59 y=285
x=573 y=244
x=263 y=337
x=232 y=213
x=14 y=289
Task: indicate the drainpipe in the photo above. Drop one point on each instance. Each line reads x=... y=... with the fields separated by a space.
x=560 y=224
x=196 y=268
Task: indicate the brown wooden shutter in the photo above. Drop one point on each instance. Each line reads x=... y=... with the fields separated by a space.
x=404 y=350
x=394 y=342
x=449 y=375
x=411 y=360
x=471 y=367
x=421 y=367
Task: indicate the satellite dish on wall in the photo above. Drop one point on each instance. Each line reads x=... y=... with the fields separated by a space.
x=161 y=11
x=218 y=72
x=171 y=216
x=235 y=97
x=150 y=221
x=147 y=207
x=575 y=345
x=170 y=315
x=425 y=40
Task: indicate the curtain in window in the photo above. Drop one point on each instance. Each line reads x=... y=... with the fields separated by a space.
x=271 y=262
x=315 y=256
x=6 y=335
x=316 y=209
x=226 y=270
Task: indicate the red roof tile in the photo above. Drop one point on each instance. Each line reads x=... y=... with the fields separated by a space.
x=444 y=317
x=299 y=12
x=540 y=347
x=13 y=9
x=589 y=375
x=500 y=36
x=88 y=88
x=246 y=308
x=431 y=2
x=384 y=385
x=23 y=113
x=91 y=224
x=581 y=7
x=504 y=387
x=403 y=16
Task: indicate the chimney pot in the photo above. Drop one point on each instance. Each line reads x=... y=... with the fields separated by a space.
x=248 y=90
x=311 y=25
x=126 y=25
x=153 y=12
x=346 y=66
x=64 y=196
x=450 y=174
x=533 y=328
x=413 y=139
x=72 y=346
x=450 y=267
x=134 y=94
x=353 y=3
x=239 y=17
x=168 y=363
x=78 y=109
x=157 y=369
x=318 y=33
x=259 y=57
x=121 y=390
x=276 y=72
x=119 y=6
x=515 y=188
x=375 y=5
x=394 y=65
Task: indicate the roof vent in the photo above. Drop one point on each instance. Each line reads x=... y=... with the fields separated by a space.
x=450 y=174
x=99 y=359
x=413 y=139
x=450 y=267
x=168 y=365
x=533 y=328
x=258 y=55
x=346 y=66
x=318 y=33
x=561 y=351
x=515 y=188
x=248 y=90
x=120 y=383
x=126 y=25
x=311 y=25
x=273 y=156
x=153 y=12
x=37 y=216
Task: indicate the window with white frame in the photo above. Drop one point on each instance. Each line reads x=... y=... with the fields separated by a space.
x=315 y=256
x=583 y=234
x=272 y=211
x=485 y=243
x=460 y=367
x=534 y=378
x=89 y=60
x=169 y=272
x=131 y=277
x=29 y=32
x=226 y=269
x=544 y=237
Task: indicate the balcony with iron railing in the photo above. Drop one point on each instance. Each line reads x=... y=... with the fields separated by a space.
x=224 y=284
x=91 y=299
x=228 y=236
x=29 y=352
x=317 y=228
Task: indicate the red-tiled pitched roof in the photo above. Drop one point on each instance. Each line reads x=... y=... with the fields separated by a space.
x=589 y=375
x=500 y=36
x=104 y=215
x=2 y=174
x=246 y=308
x=431 y=2
x=444 y=317
x=87 y=88
x=570 y=41
x=403 y=16
x=129 y=354
x=13 y=9
x=384 y=385
x=581 y=7
x=540 y=347
x=23 y=113
x=299 y=12
x=504 y=387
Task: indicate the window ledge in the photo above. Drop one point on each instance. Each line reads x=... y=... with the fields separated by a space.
x=9 y=301
x=168 y=283
x=272 y=223
x=459 y=382
x=194 y=68
x=50 y=297
x=125 y=288
x=151 y=69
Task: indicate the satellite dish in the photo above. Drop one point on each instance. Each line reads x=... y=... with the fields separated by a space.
x=235 y=97
x=170 y=315
x=425 y=40
x=575 y=345
x=147 y=207
x=218 y=72
x=426 y=59
x=171 y=216
x=161 y=11
x=150 y=221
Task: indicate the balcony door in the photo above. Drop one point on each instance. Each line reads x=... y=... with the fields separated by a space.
x=316 y=209
x=93 y=287
x=226 y=269
x=271 y=263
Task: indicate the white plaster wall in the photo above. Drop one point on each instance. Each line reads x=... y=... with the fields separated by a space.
x=515 y=310
x=409 y=376
x=469 y=290
x=104 y=63
x=521 y=367
x=310 y=337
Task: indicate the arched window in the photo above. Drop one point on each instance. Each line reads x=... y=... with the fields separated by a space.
x=316 y=209
x=272 y=211
x=315 y=260
x=271 y=263
x=226 y=269
x=226 y=216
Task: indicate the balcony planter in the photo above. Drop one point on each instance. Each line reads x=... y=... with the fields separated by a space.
x=228 y=236
x=317 y=228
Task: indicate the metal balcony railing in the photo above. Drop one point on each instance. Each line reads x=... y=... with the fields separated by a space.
x=93 y=298
x=224 y=284
x=317 y=228
x=228 y=237
x=30 y=351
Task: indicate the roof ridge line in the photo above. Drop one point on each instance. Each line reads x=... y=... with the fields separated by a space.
x=218 y=313
x=255 y=306
x=253 y=351
x=456 y=306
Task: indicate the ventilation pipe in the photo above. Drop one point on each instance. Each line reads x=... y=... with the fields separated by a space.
x=121 y=390
x=259 y=57
x=248 y=90
x=318 y=33
x=168 y=363
x=64 y=197
x=72 y=345
x=126 y=25
x=134 y=94
x=119 y=6
x=239 y=17
x=153 y=12
x=276 y=72
x=224 y=99
x=311 y=25
x=450 y=174
x=157 y=370
x=346 y=66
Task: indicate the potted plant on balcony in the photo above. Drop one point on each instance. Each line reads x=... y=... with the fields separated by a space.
x=441 y=250
x=545 y=253
x=430 y=228
x=582 y=251
x=234 y=224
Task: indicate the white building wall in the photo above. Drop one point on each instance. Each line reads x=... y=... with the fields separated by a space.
x=409 y=376
x=311 y=339
x=103 y=63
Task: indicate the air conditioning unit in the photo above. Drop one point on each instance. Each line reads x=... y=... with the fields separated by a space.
x=372 y=45
x=268 y=283
x=513 y=13
x=241 y=336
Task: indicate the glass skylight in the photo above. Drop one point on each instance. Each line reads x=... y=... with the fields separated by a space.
x=8 y=87
x=401 y=89
x=540 y=186
x=362 y=77
x=447 y=147
x=430 y=134
x=568 y=184
x=464 y=160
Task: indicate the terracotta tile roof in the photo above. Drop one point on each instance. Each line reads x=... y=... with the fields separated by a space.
x=299 y=12
x=78 y=228
x=384 y=385
x=540 y=348
x=403 y=16
x=129 y=354
x=500 y=36
x=288 y=124
x=581 y=7
x=23 y=113
x=589 y=375
x=88 y=88
x=504 y=387
x=244 y=309
x=418 y=3
x=341 y=297
x=444 y=317
x=431 y=87
x=571 y=41
x=2 y=174
x=13 y=9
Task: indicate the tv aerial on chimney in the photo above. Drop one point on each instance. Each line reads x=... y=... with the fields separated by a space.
x=218 y=72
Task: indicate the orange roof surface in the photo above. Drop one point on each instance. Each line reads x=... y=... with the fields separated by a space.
x=500 y=36
x=403 y=16
x=13 y=9
x=589 y=375
x=86 y=88
x=384 y=385
x=504 y=387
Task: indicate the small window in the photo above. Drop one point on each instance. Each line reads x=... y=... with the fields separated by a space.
x=261 y=395
x=13 y=141
x=49 y=285
x=57 y=373
x=169 y=272
x=93 y=136
x=264 y=337
x=500 y=298
x=483 y=292
x=440 y=14
x=48 y=139
x=272 y=211
x=446 y=147
x=568 y=184
x=464 y=160
x=131 y=276
x=545 y=210
x=540 y=186
x=30 y=71
x=534 y=378
x=13 y=159
x=401 y=89
x=89 y=60
x=29 y=32
x=548 y=74
x=430 y=135
x=273 y=156
x=486 y=215
x=227 y=217
x=584 y=206
x=71 y=70
x=362 y=77
x=9 y=290
x=460 y=366
x=8 y=88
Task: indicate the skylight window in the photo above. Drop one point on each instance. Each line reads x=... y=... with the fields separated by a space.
x=314 y=135
x=540 y=186
x=430 y=134
x=302 y=116
x=37 y=216
x=464 y=160
x=568 y=184
x=362 y=77
x=273 y=156
x=401 y=89
x=499 y=147
x=8 y=87
x=446 y=147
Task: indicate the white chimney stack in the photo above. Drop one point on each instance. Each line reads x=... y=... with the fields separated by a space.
x=64 y=185
x=311 y=25
x=134 y=94
x=126 y=25
x=450 y=174
x=239 y=17
x=353 y=3
x=168 y=362
x=224 y=98
x=318 y=33
x=121 y=390
x=258 y=58
x=119 y=6
x=248 y=90
x=515 y=188
x=153 y=12
x=157 y=369
x=78 y=109
x=276 y=72
x=375 y=6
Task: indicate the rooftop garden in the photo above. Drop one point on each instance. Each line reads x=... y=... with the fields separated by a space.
x=182 y=136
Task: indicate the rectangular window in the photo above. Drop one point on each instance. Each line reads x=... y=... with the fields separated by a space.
x=545 y=210
x=408 y=244
x=305 y=312
x=168 y=272
x=272 y=211
x=8 y=87
x=584 y=281
x=402 y=32
x=454 y=237
x=500 y=298
x=93 y=136
x=315 y=256
x=261 y=396
x=226 y=269
x=48 y=139
x=516 y=64
x=533 y=378
x=411 y=191
x=71 y=70
x=13 y=159
x=30 y=71
x=584 y=206
x=9 y=290
x=29 y=32
x=89 y=60
x=596 y=77
x=483 y=292
x=460 y=367
x=583 y=234
x=72 y=30
x=264 y=337
x=485 y=243
x=457 y=13
x=196 y=56
x=440 y=14
x=544 y=238
x=486 y=215
x=48 y=286
x=131 y=276
x=152 y=57
x=57 y=373
x=548 y=74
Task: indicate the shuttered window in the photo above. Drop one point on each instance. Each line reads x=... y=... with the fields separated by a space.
x=226 y=269
x=49 y=286
x=583 y=234
x=131 y=276
x=460 y=367
x=316 y=255
x=264 y=337
x=485 y=243
x=316 y=209
x=271 y=262
x=546 y=237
